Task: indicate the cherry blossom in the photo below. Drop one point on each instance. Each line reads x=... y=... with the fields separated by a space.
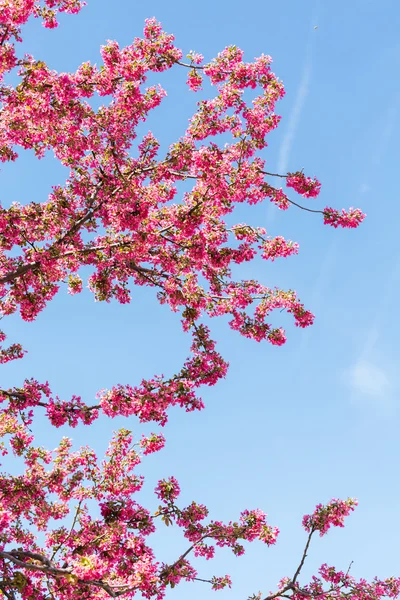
x=71 y=525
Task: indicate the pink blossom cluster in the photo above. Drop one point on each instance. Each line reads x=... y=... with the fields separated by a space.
x=333 y=514
x=339 y=585
x=279 y=247
x=70 y=524
x=110 y=552
x=16 y=13
x=219 y=583
x=13 y=352
x=305 y=186
x=194 y=80
x=152 y=443
x=168 y=489
x=351 y=218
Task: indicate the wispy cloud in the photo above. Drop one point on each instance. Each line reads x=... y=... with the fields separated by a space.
x=364 y=188
x=380 y=147
x=317 y=296
x=369 y=379
x=385 y=134
x=301 y=95
x=373 y=385
x=372 y=376
x=299 y=102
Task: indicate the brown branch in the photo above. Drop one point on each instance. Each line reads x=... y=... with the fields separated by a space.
x=274 y=174
x=77 y=226
x=70 y=531
x=20 y=395
x=183 y=175
x=170 y=567
x=71 y=231
x=20 y=271
x=303 y=558
x=48 y=568
x=45 y=568
x=4 y=36
x=182 y=64
x=292 y=584
x=280 y=593
x=305 y=208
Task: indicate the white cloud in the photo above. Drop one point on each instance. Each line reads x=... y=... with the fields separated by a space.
x=374 y=375
x=364 y=188
x=369 y=379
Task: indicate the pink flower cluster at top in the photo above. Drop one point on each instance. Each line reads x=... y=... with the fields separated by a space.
x=16 y=13
x=333 y=514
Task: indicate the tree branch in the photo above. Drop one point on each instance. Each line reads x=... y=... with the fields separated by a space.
x=303 y=558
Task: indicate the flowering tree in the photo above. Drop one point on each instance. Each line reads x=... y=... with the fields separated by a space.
x=122 y=213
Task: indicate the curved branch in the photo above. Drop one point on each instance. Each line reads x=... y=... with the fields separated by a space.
x=49 y=569
x=311 y=210
x=292 y=584
x=183 y=556
x=45 y=568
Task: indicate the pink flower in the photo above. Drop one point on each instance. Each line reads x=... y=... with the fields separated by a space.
x=333 y=514
x=218 y=583
x=168 y=489
x=277 y=337
x=152 y=443
x=351 y=218
x=307 y=187
x=279 y=247
x=194 y=80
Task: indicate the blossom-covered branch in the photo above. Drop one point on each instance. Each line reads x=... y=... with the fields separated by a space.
x=70 y=525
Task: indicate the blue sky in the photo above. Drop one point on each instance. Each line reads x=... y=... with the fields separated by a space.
x=291 y=426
